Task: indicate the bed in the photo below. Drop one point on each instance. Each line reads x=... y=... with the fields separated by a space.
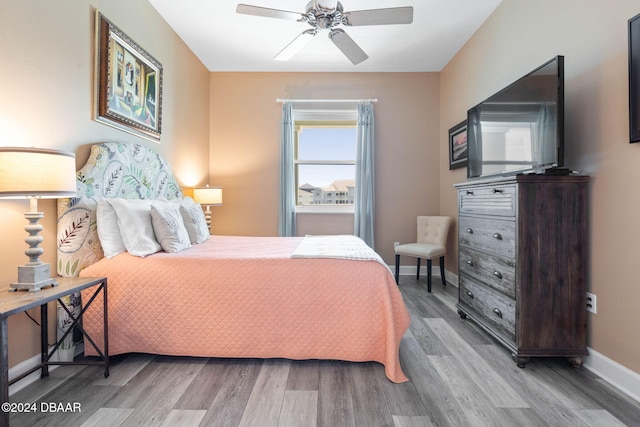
x=313 y=297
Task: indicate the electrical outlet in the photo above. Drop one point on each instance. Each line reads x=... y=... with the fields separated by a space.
x=396 y=244
x=591 y=303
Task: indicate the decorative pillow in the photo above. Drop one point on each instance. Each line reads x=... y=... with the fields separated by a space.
x=195 y=222
x=108 y=230
x=136 y=229
x=169 y=227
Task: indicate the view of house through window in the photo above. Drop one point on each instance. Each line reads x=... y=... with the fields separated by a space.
x=325 y=163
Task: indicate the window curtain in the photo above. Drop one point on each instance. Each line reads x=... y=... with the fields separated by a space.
x=287 y=213
x=364 y=191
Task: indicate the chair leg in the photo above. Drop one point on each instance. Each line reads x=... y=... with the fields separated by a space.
x=444 y=281
x=397 y=268
x=429 y=275
x=418 y=269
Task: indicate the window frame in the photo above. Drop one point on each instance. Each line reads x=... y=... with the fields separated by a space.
x=315 y=119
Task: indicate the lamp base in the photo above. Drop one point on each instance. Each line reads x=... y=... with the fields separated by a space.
x=33 y=278
x=207 y=217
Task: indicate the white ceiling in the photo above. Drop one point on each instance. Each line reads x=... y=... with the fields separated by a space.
x=227 y=41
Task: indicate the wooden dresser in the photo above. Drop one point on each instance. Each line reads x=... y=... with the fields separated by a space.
x=523 y=253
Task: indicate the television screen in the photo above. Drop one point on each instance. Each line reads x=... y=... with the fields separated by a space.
x=520 y=128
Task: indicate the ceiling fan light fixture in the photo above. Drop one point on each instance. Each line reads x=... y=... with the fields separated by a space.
x=295 y=46
x=326 y=6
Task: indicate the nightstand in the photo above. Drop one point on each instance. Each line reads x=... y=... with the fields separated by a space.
x=16 y=302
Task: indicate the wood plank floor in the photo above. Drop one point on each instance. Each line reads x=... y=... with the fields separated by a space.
x=459 y=377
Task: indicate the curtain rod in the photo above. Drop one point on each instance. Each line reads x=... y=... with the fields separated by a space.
x=326 y=100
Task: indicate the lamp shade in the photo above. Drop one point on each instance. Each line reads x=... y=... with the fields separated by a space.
x=208 y=196
x=35 y=172
x=211 y=196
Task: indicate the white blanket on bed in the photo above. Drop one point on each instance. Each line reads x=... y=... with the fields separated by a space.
x=338 y=246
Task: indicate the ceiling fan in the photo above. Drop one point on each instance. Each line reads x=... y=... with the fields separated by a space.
x=326 y=15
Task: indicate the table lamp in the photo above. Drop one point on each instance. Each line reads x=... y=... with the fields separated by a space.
x=35 y=173
x=208 y=196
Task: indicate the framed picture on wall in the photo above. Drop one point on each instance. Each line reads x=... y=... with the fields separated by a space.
x=458 y=146
x=128 y=83
x=634 y=79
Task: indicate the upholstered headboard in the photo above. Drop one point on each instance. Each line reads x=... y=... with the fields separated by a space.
x=114 y=169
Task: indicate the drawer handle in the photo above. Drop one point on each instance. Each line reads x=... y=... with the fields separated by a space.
x=469 y=193
x=497 y=312
x=470 y=230
x=470 y=294
x=470 y=262
x=497 y=236
x=497 y=190
x=497 y=274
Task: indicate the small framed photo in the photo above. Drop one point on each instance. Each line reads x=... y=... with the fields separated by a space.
x=634 y=79
x=128 y=83
x=458 y=146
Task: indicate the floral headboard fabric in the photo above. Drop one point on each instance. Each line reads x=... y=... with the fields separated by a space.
x=114 y=169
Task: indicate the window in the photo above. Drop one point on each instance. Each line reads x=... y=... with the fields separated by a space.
x=325 y=164
x=360 y=166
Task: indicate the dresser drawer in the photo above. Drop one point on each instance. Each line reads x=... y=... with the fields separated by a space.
x=489 y=200
x=494 y=309
x=485 y=234
x=497 y=272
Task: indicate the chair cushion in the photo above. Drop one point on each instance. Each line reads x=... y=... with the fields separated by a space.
x=433 y=229
x=421 y=250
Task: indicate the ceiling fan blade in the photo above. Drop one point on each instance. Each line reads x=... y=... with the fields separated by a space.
x=394 y=15
x=295 y=46
x=246 y=9
x=346 y=44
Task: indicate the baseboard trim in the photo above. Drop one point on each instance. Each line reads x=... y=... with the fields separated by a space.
x=20 y=369
x=619 y=376
x=27 y=365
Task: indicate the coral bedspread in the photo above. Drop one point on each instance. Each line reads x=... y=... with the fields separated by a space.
x=247 y=297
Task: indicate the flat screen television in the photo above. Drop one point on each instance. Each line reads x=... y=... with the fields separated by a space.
x=521 y=128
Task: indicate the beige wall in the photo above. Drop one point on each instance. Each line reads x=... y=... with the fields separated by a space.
x=46 y=87
x=245 y=138
x=592 y=35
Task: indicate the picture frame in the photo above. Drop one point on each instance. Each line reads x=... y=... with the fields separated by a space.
x=128 y=83
x=634 y=79
x=458 y=152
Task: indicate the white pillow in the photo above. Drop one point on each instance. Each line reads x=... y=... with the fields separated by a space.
x=195 y=222
x=169 y=227
x=187 y=201
x=108 y=230
x=136 y=229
